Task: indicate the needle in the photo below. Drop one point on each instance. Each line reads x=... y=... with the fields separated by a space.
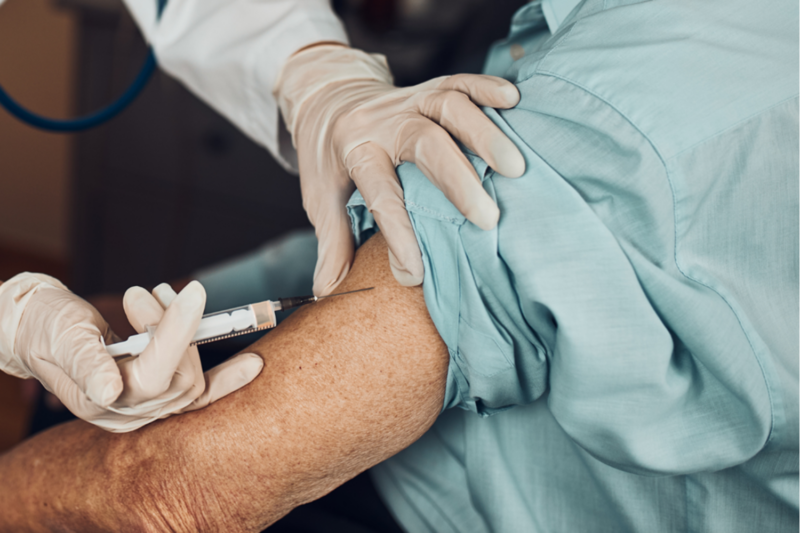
x=288 y=303
x=343 y=293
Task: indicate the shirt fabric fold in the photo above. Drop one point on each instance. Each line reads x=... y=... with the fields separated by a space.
x=631 y=325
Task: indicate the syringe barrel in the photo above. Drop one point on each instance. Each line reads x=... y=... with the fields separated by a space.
x=238 y=320
x=213 y=326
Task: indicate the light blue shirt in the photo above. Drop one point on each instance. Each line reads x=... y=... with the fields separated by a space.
x=632 y=323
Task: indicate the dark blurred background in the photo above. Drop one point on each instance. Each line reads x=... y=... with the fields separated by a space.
x=169 y=186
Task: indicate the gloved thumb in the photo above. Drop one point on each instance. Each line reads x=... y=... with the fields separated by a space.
x=226 y=378
x=93 y=370
x=76 y=347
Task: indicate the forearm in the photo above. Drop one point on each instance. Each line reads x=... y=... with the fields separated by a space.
x=75 y=477
x=347 y=383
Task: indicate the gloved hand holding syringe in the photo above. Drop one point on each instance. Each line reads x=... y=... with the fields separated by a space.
x=50 y=334
x=225 y=324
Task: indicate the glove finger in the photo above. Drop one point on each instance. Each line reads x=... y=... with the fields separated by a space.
x=335 y=246
x=226 y=378
x=164 y=294
x=189 y=375
x=76 y=347
x=141 y=308
x=482 y=89
x=467 y=123
x=155 y=367
x=137 y=399
x=187 y=383
x=92 y=369
x=437 y=156
x=373 y=172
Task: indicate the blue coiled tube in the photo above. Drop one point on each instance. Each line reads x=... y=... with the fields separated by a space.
x=94 y=119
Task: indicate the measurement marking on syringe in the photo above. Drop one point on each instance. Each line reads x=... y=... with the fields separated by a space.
x=230 y=335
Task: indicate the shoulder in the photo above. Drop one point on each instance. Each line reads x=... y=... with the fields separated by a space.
x=679 y=71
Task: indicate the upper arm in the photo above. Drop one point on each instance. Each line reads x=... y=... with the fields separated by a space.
x=347 y=382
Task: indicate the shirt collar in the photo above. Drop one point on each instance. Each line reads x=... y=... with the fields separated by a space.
x=554 y=11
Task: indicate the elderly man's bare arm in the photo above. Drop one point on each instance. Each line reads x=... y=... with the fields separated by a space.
x=347 y=383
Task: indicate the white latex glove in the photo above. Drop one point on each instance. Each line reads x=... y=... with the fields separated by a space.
x=48 y=333
x=351 y=127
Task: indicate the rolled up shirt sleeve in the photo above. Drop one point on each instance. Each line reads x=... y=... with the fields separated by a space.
x=577 y=292
x=496 y=360
x=229 y=53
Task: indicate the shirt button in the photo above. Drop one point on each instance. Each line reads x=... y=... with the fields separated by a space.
x=516 y=51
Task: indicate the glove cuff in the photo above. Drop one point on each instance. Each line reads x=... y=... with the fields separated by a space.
x=311 y=70
x=14 y=297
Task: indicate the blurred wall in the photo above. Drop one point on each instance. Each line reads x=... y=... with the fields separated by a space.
x=37 y=67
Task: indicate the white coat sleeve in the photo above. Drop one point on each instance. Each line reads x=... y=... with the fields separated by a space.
x=229 y=53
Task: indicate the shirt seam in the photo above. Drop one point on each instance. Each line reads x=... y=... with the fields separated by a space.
x=423 y=210
x=555 y=47
x=554 y=75
x=733 y=126
x=687 y=520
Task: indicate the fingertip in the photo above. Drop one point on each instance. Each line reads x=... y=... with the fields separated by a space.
x=133 y=295
x=484 y=89
x=111 y=392
x=135 y=302
x=104 y=389
x=405 y=278
x=327 y=277
x=486 y=217
x=325 y=286
x=228 y=377
x=508 y=160
x=193 y=296
x=141 y=308
x=409 y=275
x=195 y=286
x=510 y=93
x=164 y=294
x=251 y=365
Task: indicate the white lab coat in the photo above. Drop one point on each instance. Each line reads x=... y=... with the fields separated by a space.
x=229 y=53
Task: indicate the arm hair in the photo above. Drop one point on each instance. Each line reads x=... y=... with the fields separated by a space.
x=347 y=383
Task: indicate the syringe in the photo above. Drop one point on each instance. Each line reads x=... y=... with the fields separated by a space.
x=225 y=324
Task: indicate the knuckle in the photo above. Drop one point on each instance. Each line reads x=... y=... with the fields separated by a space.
x=184 y=379
x=360 y=157
x=455 y=104
x=455 y=98
x=433 y=132
x=459 y=82
x=153 y=388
